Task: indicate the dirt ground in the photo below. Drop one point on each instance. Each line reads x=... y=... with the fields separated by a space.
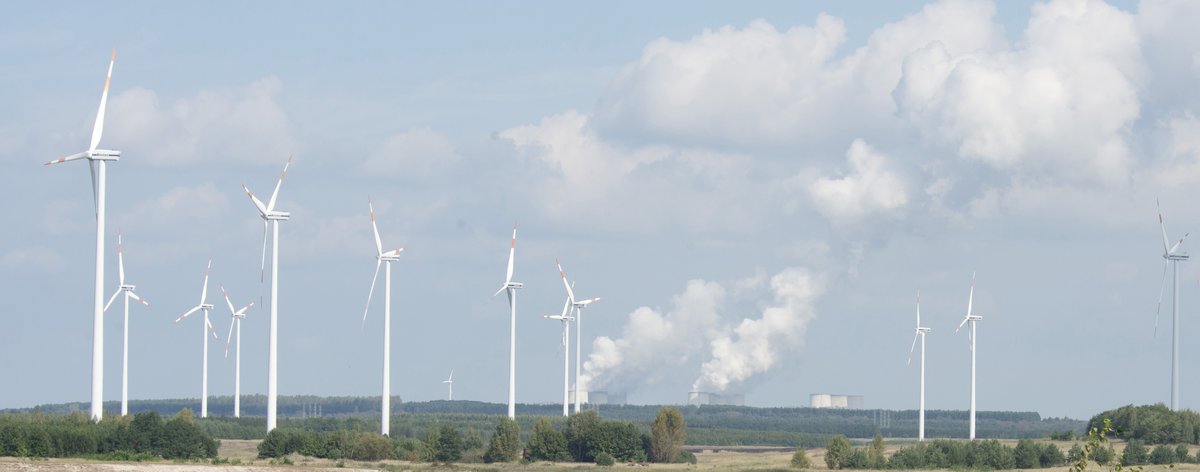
x=243 y=458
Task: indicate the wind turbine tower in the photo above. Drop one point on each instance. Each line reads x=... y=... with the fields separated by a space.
x=1171 y=255
x=236 y=317
x=208 y=327
x=566 y=319
x=97 y=159
x=579 y=305
x=127 y=289
x=450 y=383
x=270 y=215
x=380 y=258
x=921 y=332
x=971 y=318
x=512 y=287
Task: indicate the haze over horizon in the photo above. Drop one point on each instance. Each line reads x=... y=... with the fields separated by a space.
x=757 y=191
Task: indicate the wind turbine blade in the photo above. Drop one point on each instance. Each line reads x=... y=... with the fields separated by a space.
x=378 y=242
x=1161 y=286
x=262 y=265
x=72 y=157
x=502 y=288
x=451 y=379
x=271 y=203
x=566 y=305
x=971 y=296
x=212 y=330
x=114 y=297
x=98 y=129
x=512 y=252
x=204 y=291
x=918 y=308
x=227 y=300
x=1180 y=243
x=120 y=260
x=257 y=203
x=914 y=346
x=589 y=301
x=243 y=310
x=371 y=293
x=189 y=312
x=140 y=299
x=1163 y=226
x=570 y=293
x=960 y=325
x=95 y=188
x=229 y=338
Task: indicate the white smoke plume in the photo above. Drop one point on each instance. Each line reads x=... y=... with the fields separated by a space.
x=694 y=334
x=760 y=343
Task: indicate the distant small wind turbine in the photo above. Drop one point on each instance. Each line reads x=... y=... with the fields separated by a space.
x=450 y=383
x=97 y=159
x=579 y=305
x=1171 y=255
x=380 y=258
x=128 y=290
x=512 y=287
x=270 y=215
x=236 y=317
x=921 y=332
x=566 y=319
x=971 y=318
x=208 y=327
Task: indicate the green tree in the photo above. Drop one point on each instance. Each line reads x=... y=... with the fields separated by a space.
x=1051 y=456
x=837 y=451
x=875 y=456
x=667 y=435
x=443 y=444
x=366 y=447
x=547 y=443
x=1182 y=454
x=800 y=459
x=1027 y=454
x=580 y=428
x=1135 y=453
x=604 y=459
x=1075 y=453
x=858 y=459
x=1163 y=454
x=505 y=445
x=1104 y=455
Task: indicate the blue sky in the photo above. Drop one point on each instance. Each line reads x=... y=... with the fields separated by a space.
x=756 y=190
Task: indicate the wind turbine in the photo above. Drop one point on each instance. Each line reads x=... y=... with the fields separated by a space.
x=972 y=318
x=921 y=332
x=566 y=319
x=236 y=319
x=208 y=327
x=1172 y=256
x=272 y=216
x=97 y=160
x=450 y=383
x=579 y=305
x=128 y=289
x=381 y=257
x=512 y=288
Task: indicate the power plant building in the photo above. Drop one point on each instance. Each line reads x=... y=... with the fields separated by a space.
x=833 y=400
x=598 y=397
x=709 y=398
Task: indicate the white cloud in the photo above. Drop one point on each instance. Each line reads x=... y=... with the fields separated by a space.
x=868 y=188
x=244 y=125
x=414 y=154
x=178 y=207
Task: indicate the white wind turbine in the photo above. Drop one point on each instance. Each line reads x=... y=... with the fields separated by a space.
x=1171 y=255
x=512 y=288
x=97 y=159
x=128 y=290
x=972 y=318
x=381 y=257
x=272 y=216
x=208 y=327
x=236 y=317
x=450 y=383
x=579 y=305
x=921 y=332
x=566 y=319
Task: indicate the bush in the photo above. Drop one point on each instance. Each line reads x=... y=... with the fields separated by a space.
x=800 y=459
x=1067 y=435
x=1104 y=455
x=370 y=447
x=605 y=459
x=909 y=458
x=1135 y=453
x=1163 y=454
x=546 y=443
x=1027 y=454
x=505 y=445
x=858 y=459
x=1051 y=456
x=685 y=457
x=1181 y=453
x=667 y=435
x=443 y=444
x=837 y=451
x=1075 y=453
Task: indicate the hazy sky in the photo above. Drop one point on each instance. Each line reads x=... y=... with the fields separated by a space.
x=758 y=191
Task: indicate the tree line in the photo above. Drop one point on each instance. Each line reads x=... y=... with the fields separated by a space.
x=143 y=436
x=1152 y=424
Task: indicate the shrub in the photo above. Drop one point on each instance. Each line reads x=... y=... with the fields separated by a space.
x=858 y=459
x=1051 y=456
x=1027 y=454
x=667 y=435
x=443 y=444
x=1135 y=453
x=1075 y=453
x=370 y=447
x=1181 y=453
x=836 y=452
x=686 y=457
x=505 y=445
x=605 y=459
x=1162 y=454
x=800 y=459
x=546 y=443
x=1104 y=455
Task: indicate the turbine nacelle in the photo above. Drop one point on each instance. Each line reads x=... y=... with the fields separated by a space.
x=206 y=306
x=1176 y=256
x=127 y=288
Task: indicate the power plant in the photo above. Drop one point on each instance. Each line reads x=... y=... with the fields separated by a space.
x=709 y=398
x=834 y=400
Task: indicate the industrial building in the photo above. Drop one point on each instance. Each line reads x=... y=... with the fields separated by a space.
x=834 y=400
x=709 y=398
x=599 y=397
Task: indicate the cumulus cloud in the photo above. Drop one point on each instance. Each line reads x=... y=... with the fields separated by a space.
x=414 y=154
x=869 y=187
x=246 y=125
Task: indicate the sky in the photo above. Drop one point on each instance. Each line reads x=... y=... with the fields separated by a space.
x=757 y=191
